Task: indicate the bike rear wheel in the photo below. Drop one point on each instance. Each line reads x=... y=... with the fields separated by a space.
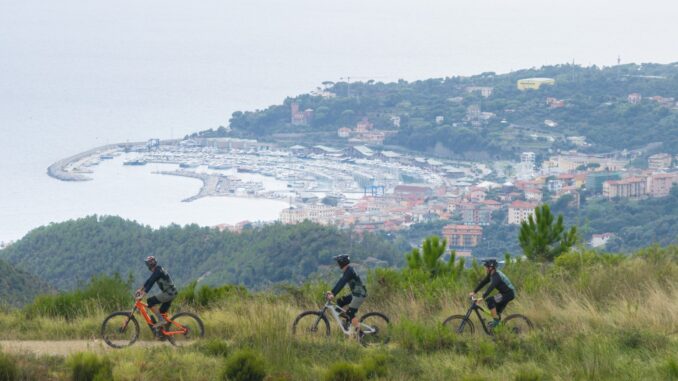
x=311 y=324
x=184 y=328
x=376 y=328
x=517 y=324
x=460 y=324
x=120 y=329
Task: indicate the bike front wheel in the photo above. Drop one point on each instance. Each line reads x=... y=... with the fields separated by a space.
x=517 y=324
x=120 y=329
x=184 y=328
x=311 y=324
x=460 y=324
x=375 y=327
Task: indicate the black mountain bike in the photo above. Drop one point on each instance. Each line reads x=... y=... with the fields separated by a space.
x=462 y=324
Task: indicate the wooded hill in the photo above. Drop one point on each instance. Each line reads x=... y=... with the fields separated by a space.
x=68 y=254
x=18 y=287
x=595 y=105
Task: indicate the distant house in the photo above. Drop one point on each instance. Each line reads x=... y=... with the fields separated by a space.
x=462 y=236
x=300 y=118
x=406 y=192
x=520 y=211
x=659 y=161
x=631 y=187
x=660 y=184
x=598 y=240
x=344 y=132
x=634 y=98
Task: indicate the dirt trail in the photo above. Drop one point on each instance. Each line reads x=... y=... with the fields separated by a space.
x=63 y=348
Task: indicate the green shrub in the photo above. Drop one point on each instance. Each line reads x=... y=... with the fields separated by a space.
x=8 y=368
x=213 y=347
x=245 y=365
x=206 y=296
x=419 y=337
x=280 y=377
x=484 y=353
x=529 y=374
x=86 y=366
x=474 y=377
x=669 y=369
x=642 y=339
x=102 y=292
x=375 y=365
x=343 y=371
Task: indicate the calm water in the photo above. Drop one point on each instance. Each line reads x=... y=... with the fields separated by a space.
x=76 y=74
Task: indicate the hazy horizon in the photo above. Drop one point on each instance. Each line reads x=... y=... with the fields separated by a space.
x=77 y=74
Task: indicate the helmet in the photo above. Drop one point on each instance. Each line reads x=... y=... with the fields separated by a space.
x=490 y=263
x=151 y=262
x=342 y=260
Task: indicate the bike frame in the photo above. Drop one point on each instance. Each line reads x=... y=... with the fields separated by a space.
x=475 y=307
x=143 y=309
x=332 y=308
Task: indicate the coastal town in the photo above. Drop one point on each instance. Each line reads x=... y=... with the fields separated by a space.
x=370 y=190
x=357 y=182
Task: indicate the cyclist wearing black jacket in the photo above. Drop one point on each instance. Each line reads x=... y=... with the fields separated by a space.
x=501 y=282
x=167 y=290
x=358 y=290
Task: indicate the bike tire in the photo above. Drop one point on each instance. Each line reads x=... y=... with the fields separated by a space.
x=116 y=319
x=381 y=323
x=518 y=324
x=308 y=327
x=455 y=322
x=196 y=329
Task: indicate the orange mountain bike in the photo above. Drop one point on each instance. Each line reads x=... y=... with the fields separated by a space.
x=121 y=329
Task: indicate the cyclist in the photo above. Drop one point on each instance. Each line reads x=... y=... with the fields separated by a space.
x=358 y=291
x=167 y=290
x=501 y=282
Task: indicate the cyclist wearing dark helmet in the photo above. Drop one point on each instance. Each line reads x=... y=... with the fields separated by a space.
x=358 y=290
x=167 y=290
x=497 y=280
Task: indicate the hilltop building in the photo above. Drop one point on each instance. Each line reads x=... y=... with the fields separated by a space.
x=300 y=118
x=534 y=83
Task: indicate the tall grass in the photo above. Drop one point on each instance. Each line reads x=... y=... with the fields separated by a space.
x=600 y=317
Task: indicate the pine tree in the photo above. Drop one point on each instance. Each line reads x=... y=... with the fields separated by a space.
x=429 y=258
x=543 y=240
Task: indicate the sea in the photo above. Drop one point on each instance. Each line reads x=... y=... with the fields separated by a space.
x=76 y=74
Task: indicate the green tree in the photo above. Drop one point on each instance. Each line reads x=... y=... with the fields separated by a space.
x=543 y=240
x=429 y=258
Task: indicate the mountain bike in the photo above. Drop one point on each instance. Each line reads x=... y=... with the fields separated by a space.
x=462 y=324
x=374 y=325
x=121 y=329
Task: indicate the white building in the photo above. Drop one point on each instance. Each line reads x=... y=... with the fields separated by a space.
x=520 y=211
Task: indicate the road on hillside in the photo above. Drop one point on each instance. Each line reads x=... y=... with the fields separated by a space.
x=63 y=347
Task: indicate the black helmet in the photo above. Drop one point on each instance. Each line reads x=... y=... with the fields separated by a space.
x=151 y=262
x=342 y=260
x=490 y=263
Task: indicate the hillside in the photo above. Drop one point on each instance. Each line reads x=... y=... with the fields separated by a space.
x=18 y=287
x=447 y=117
x=597 y=317
x=72 y=252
